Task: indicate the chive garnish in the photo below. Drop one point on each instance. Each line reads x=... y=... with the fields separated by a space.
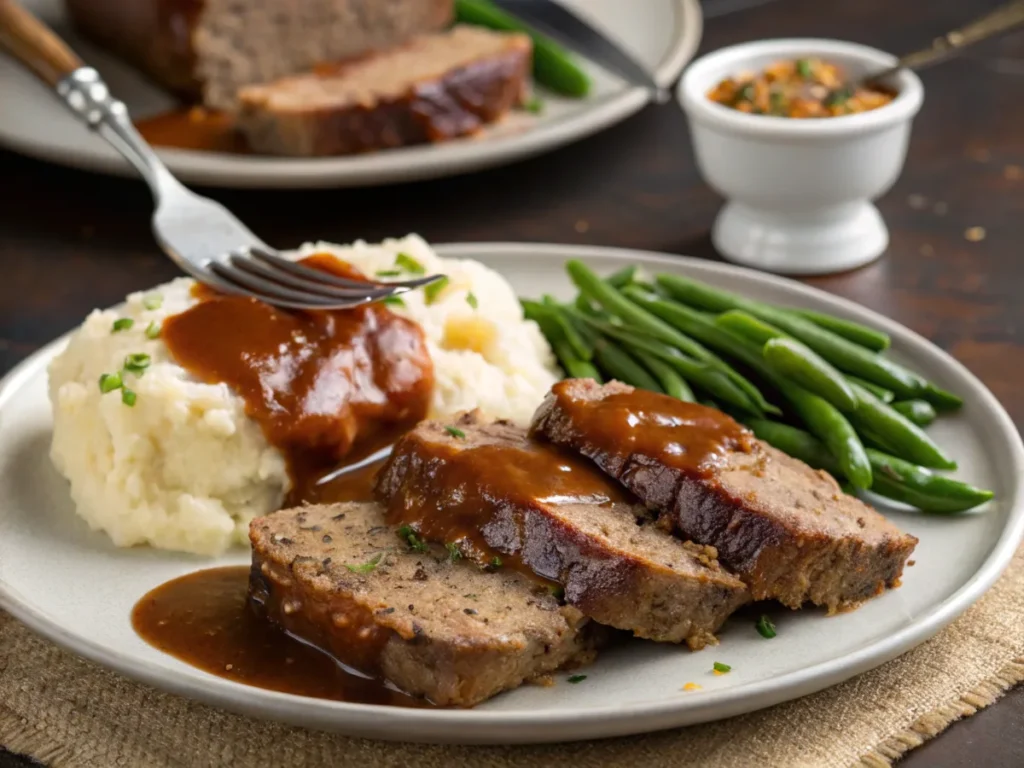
x=154 y=301
x=366 y=567
x=720 y=667
x=122 y=324
x=765 y=627
x=433 y=290
x=407 y=534
x=137 y=363
x=577 y=678
x=804 y=68
x=534 y=105
x=153 y=331
x=454 y=551
x=454 y=431
x=109 y=382
x=393 y=301
x=388 y=272
x=409 y=264
x=128 y=397
x=838 y=97
x=471 y=300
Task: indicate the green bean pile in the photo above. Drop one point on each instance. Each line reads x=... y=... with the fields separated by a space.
x=833 y=400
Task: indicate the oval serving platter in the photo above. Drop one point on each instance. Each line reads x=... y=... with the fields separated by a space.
x=74 y=587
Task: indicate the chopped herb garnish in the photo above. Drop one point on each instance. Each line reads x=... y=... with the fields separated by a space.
x=153 y=330
x=534 y=105
x=471 y=300
x=765 y=627
x=109 y=382
x=454 y=431
x=746 y=93
x=409 y=264
x=720 y=667
x=433 y=290
x=557 y=592
x=153 y=301
x=137 y=363
x=388 y=272
x=577 y=678
x=366 y=567
x=408 y=535
x=122 y=324
x=496 y=562
x=804 y=68
x=470 y=595
x=838 y=97
x=393 y=301
x=454 y=551
x=778 y=103
x=128 y=397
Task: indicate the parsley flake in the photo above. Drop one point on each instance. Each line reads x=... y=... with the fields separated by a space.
x=137 y=363
x=128 y=397
x=153 y=331
x=577 y=678
x=109 y=382
x=153 y=301
x=366 y=567
x=409 y=264
x=388 y=272
x=534 y=105
x=765 y=627
x=454 y=551
x=409 y=536
x=720 y=667
x=432 y=290
x=393 y=301
x=122 y=324
x=471 y=300
x=454 y=431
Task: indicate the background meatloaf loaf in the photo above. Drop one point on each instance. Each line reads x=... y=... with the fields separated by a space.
x=210 y=48
x=489 y=489
x=433 y=88
x=787 y=530
x=336 y=576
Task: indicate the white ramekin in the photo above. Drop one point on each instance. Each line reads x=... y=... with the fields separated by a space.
x=798 y=191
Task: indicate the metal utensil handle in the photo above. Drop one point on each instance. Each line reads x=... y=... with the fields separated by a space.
x=1002 y=19
x=82 y=89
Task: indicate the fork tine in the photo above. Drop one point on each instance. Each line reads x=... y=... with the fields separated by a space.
x=323 y=277
x=275 y=293
x=300 y=283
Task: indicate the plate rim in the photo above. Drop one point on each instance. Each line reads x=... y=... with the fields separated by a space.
x=233 y=172
x=524 y=727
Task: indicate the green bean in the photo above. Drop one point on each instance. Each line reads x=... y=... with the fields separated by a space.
x=794 y=361
x=874 y=340
x=907 y=439
x=622 y=277
x=695 y=324
x=842 y=353
x=619 y=365
x=670 y=380
x=552 y=65
x=582 y=349
x=553 y=331
x=749 y=327
x=700 y=374
x=921 y=412
x=883 y=394
x=823 y=420
x=941 y=398
x=916 y=486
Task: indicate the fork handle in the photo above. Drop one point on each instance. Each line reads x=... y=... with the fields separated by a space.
x=82 y=89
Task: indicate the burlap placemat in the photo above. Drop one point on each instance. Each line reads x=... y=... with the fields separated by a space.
x=68 y=712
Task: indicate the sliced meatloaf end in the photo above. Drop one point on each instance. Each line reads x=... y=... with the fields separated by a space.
x=434 y=88
x=338 y=577
x=210 y=48
x=787 y=530
x=488 y=491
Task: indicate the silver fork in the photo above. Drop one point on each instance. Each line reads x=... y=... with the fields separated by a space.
x=200 y=235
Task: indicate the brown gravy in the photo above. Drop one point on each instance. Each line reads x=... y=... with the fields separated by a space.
x=193 y=128
x=205 y=619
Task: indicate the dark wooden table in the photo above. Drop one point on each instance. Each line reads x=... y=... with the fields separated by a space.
x=70 y=242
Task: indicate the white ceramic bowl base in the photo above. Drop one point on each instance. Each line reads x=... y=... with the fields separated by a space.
x=832 y=240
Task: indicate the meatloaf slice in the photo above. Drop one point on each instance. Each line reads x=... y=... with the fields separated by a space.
x=210 y=48
x=338 y=577
x=434 y=88
x=787 y=530
x=488 y=491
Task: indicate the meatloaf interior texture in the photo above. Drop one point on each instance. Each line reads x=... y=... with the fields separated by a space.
x=435 y=87
x=787 y=530
x=211 y=48
x=337 y=576
x=488 y=491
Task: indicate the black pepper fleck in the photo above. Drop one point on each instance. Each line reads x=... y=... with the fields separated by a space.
x=469 y=611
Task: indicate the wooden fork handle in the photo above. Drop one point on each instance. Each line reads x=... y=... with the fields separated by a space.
x=35 y=44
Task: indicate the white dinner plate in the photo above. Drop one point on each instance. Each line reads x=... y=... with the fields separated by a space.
x=76 y=588
x=661 y=34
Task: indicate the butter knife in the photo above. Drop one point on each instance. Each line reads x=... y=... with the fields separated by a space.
x=574 y=33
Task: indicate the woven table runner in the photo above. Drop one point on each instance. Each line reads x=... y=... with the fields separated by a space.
x=68 y=712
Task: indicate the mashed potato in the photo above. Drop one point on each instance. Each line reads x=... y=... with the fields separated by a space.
x=184 y=468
